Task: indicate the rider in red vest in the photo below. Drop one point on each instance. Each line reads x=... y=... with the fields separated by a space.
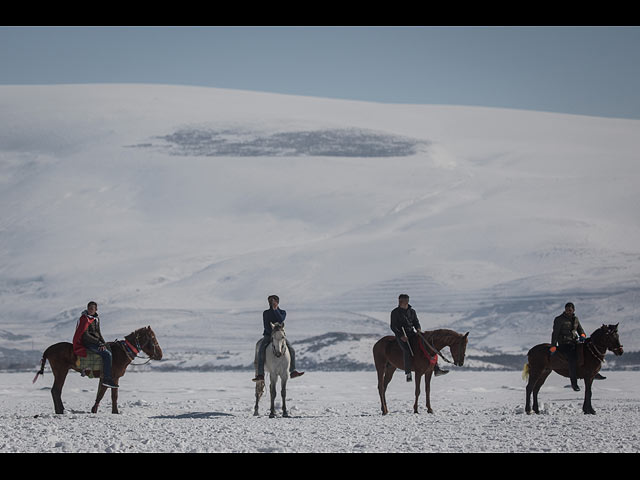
x=88 y=337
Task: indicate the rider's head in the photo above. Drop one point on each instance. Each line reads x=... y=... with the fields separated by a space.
x=92 y=308
x=569 y=308
x=403 y=300
x=273 y=300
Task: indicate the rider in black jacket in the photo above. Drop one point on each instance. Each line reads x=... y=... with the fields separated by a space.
x=403 y=322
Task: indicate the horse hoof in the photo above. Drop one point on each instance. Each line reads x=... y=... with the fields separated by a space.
x=285 y=415
x=272 y=415
x=429 y=411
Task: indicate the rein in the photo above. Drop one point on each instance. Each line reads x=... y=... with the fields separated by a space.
x=595 y=352
x=434 y=349
x=128 y=347
x=273 y=346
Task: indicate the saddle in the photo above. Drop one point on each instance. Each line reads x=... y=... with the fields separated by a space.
x=579 y=355
x=90 y=366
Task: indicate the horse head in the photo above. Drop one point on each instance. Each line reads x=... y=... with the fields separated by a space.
x=607 y=336
x=458 y=349
x=278 y=339
x=145 y=339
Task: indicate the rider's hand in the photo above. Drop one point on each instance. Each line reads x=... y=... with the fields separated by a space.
x=102 y=348
x=553 y=349
x=403 y=338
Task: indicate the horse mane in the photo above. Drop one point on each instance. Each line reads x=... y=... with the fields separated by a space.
x=443 y=332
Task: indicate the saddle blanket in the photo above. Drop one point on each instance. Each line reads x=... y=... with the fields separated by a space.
x=91 y=365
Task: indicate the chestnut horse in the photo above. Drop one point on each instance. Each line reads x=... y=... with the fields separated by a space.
x=388 y=357
x=62 y=359
x=541 y=363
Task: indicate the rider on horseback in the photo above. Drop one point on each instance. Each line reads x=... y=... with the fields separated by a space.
x=566 y=332
x=273 y=315
x=403 y=321
x=88 y=337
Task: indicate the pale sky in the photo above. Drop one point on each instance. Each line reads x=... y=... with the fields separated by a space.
x=582 y=70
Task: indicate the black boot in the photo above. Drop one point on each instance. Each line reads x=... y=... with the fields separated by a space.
x=572 y=360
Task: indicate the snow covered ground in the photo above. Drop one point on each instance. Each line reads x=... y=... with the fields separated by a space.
x=331 y=412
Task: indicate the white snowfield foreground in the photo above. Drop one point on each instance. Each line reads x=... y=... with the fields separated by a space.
x=331 y=412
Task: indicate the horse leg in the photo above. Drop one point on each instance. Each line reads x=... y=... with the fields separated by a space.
x=537 y=386
x=387 y=375
x=259 y=392
x=380 y=372
x=114 y=398
x=427 y=390
x=530 y=383
x=586 y=407
x=101 y=391
x=418 y=379
x=60 y=375
x=272 y=390
x=283 y=393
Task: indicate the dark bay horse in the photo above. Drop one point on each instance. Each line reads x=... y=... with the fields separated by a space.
x=541 y=363
x=388 y=357
x=62 y=359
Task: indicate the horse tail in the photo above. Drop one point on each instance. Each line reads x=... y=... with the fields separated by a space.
x=525 y=372
x=42 y=363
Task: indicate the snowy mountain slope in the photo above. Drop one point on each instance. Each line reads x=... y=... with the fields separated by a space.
x=184 y=207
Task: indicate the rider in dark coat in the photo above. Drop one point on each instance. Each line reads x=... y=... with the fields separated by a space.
x=566 y=332
x=403 y=322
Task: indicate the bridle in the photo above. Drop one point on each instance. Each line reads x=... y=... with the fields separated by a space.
x=273 y=345
x=593 y=348
x=135 y=350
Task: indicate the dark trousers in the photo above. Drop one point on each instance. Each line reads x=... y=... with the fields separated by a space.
x=569 y=350
x=262 y=350
x=408 y=359
x=106 y=359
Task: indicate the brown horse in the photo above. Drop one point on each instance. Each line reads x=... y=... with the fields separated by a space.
x=62 y=359
x=388 y=357
x=541 y=363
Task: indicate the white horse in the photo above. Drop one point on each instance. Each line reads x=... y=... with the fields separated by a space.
x=276 y=361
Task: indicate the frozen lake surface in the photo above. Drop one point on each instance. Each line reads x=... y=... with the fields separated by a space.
x=331 y=412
